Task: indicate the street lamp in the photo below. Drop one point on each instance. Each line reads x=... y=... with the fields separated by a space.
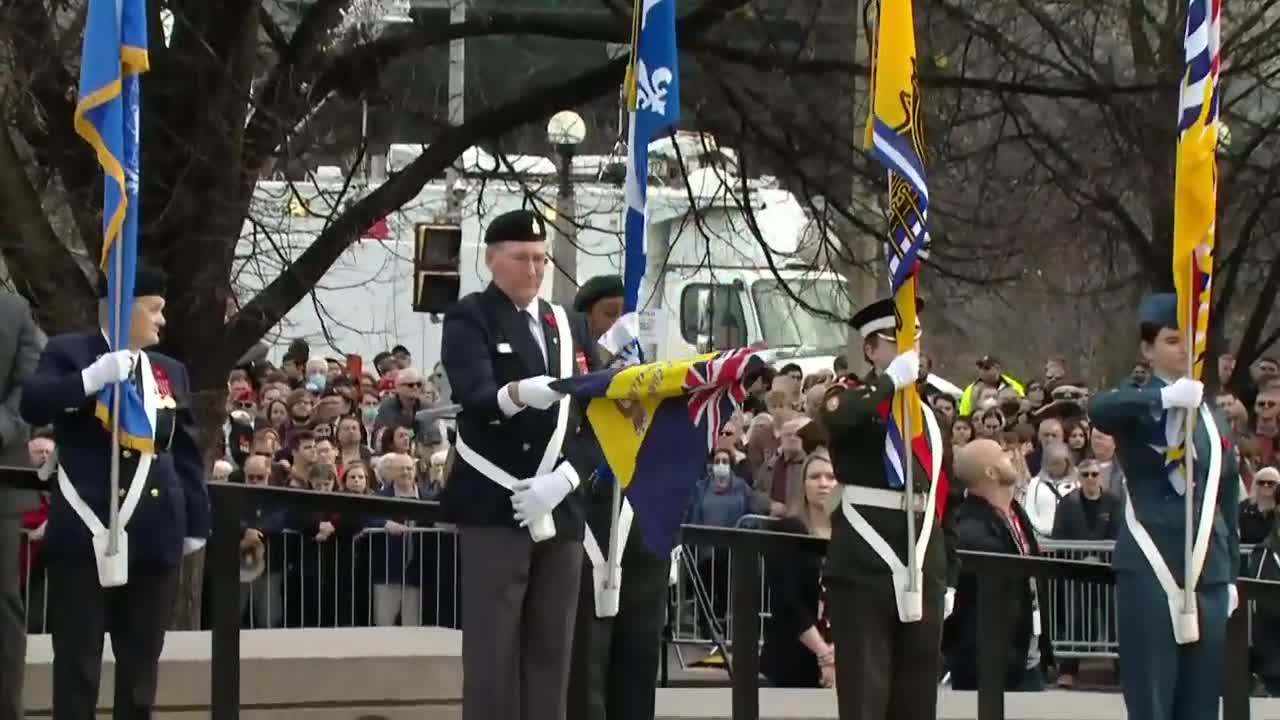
x=565 y=130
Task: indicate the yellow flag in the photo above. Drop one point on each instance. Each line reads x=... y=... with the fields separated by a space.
x=1195 y=184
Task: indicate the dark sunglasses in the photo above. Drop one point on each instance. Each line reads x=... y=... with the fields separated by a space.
x=245 y=406
x=1091 y=474
x=411 y=385
x=1266 y=403
x=1266 y=483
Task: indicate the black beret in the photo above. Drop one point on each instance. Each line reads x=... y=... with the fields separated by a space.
x=517 y=226
x=880 y=316
x=148 y=281
x=596 y=289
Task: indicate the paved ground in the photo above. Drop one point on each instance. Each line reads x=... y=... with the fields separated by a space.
x=777 y=704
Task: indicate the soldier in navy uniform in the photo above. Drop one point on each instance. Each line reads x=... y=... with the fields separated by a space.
x=617 y=647
x=164 y=506
x=513 y=489
x=887 y=657
x=1171 y=662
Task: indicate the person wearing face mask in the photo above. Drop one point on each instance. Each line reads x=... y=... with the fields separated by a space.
x=317 y=376
x=1171 y=653
x=989 y=519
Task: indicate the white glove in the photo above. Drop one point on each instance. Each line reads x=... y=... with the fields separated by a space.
x=114 y=367
x=950 y=605
x=536 y=392
x=904 y=370
x=535 y=497
x=1233 y=599
x=1183 y=393
x=192 y=545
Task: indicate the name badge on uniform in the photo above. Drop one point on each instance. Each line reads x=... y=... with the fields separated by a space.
x=1035 y=623
x=504 y=348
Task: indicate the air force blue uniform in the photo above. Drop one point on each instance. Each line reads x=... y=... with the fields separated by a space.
x=173 y=506
x=1163 y=680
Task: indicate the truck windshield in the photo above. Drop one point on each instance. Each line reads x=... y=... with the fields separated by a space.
x=785 y=323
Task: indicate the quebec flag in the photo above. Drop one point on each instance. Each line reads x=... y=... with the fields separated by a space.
x=653 y=97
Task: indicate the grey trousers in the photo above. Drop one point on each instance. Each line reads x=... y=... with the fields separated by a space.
x=521 y=599
x=13 y=623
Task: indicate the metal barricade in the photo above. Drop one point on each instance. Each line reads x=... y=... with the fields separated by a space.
x=371 y=577
x=1082 y=615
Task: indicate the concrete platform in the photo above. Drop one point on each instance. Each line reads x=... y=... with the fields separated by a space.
x=339 y=674
x=416 y=673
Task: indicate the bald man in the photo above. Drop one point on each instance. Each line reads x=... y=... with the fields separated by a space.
x=991 y=520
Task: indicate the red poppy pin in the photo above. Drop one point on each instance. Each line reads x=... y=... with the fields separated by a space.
x=550 y=320
x=162 y=381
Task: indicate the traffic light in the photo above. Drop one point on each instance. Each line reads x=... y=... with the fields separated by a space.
x=437 y=252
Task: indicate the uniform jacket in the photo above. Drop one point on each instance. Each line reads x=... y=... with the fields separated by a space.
x=1134 y=416
x=486 y=343
x=175 y=503
x=851 y=416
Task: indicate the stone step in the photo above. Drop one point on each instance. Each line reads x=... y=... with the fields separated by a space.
x=416 y=674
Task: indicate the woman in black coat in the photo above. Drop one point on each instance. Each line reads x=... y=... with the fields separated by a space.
x=797 y=648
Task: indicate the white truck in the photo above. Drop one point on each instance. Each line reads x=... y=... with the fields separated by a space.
x=720 y=275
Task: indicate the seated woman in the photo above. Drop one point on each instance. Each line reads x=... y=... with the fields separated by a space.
x=797 y=648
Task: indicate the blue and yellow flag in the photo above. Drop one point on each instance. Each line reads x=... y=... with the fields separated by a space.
x=895 y=136
x=656 y=423
x=113 y=57
x=1196 y=181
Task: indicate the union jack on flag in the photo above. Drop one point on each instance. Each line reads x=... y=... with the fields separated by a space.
x=656 y=423
x=715 y=391
x=1195 y=184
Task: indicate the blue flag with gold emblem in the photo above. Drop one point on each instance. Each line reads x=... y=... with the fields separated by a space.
x=106 y=116
x=656 y=423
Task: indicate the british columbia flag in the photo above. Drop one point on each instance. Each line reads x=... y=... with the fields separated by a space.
x=1195 y=184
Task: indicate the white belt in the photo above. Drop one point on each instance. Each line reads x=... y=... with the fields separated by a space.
x=542 y=528
x=113 y=570
x=1186 y=624
x=881 y=498
x=606 y=593
x=910 y=604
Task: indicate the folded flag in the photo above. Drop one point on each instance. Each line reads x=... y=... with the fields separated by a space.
x=656 y=423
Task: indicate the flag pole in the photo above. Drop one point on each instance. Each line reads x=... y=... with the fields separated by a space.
x=113 y=502
x=908 y=462
x=1188 y=442
x=614 y=560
